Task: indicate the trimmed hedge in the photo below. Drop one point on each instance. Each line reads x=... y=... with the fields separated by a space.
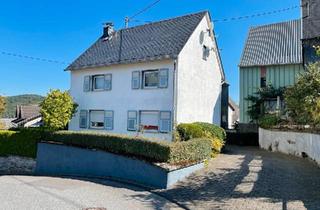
x=19 y=143
x=214 y=130
x=189 y=131
x=154 y=151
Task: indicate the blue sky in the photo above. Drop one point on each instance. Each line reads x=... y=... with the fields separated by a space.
x=61 y=30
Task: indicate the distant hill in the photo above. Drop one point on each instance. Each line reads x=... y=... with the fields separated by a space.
x=13 y=101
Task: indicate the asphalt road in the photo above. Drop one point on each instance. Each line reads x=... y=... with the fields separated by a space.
x=29 y=192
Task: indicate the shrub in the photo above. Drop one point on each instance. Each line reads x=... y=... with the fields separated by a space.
x=154 y=151
x=190 y=151
x=269 y=120
x=216 y=134
x=20 y=143
x=57 y=109
x=189 y=131
x=302 y=98
x=214 y=130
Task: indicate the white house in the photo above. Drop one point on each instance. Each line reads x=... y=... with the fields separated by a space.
x=149 y=78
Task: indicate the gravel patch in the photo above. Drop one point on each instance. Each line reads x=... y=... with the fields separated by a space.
x=17 y=165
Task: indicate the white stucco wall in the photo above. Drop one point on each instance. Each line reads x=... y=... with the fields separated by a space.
x=292 y=143
x=122 y=97
x=198 y=81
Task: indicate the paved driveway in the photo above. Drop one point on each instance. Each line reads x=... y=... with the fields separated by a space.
x=43 y=193
x=249 y=178
x=243 y=178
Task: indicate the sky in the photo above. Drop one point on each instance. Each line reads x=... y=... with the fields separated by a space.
x=63 y=29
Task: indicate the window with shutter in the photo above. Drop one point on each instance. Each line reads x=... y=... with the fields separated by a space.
x=108 y=81
x=97 y=119
x=163 y=78
x=165 y=121
x=132 y=120
x=98 y=82
x=135 y=80
x=86 y=84
x=108 y=115
x=83 y=119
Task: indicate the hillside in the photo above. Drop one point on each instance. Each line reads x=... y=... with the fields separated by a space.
x=13 y=101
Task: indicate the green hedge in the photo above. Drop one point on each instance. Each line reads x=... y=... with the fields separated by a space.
x=214 y=130
x=154 y=151
x=20 y=143
x=188 y=131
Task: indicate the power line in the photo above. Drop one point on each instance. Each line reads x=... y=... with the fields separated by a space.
x=128 y=19
x=32 y=58
x=257 y=15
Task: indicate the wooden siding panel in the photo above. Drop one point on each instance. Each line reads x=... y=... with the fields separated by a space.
x=278 y=76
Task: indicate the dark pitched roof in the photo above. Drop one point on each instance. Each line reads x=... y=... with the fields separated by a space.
x=24 y=113
x=154 y=41
x=273 y=44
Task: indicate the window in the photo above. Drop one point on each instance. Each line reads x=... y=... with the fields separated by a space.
x=205 y=52
x=97 y=119
x=132 y=121
x=263 y=74
x=98 y=82
x=108 y=116
x=149 y=120
x=165 y=121
x=135 y=83
x=150 y=79
x=83 y=119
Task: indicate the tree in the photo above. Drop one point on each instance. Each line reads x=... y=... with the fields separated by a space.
x=2 y=105
x=57 y=109
x=303 y=98
x=257 y=110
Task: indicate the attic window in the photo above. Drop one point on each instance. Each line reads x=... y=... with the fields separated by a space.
x=205 y=52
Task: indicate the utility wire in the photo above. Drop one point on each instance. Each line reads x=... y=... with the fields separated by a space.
x=145 y=9
x=32 y=58
x=257 y=15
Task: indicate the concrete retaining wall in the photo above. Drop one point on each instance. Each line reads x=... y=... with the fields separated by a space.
x=293 y=143
x=61 y=160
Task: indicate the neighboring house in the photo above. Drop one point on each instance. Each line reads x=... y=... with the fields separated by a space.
x=311 y=29
x=233 y=113
x=272 y=55
x=27 y=116
x=6 y=123
x=149 y=78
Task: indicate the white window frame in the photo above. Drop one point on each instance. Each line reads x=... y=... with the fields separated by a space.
x=144 y=79
x=90 y=122
x=94 y=82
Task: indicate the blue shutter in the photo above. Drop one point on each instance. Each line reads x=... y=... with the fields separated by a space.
x=135 y=82
x=132 y=120
x=163 y=78
x=165 y=121
x=108 y=118
x=83 y=119
x=86 y=83
x=108 y=81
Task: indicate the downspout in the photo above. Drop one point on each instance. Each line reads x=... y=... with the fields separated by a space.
x=174 y=97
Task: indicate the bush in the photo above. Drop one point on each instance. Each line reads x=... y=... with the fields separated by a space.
x=189 y=131
x=154 y=151
x=190 y=151
x=216 y=134
x=214 y=130
x=302 y=99
x=268 y=121
x=20 y=143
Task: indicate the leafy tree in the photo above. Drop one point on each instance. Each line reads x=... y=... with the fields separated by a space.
x=57 y=109
x=2 y=105
x=257 y=110
x=303 y=98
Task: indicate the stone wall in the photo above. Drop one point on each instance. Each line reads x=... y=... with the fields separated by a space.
x=293 y=143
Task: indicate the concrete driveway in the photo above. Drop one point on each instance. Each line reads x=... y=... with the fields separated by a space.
x=44 y=193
